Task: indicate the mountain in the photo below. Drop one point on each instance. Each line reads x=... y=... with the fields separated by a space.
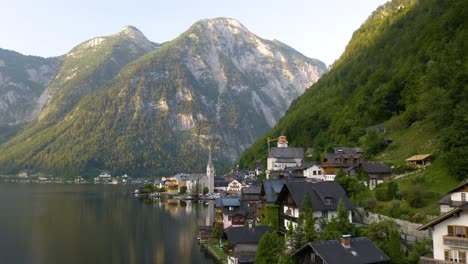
x=90 y=66
x=216 y=84
x=22 y=81
x=405 y=68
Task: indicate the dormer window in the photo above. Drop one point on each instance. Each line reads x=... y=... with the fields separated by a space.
x=328 y=201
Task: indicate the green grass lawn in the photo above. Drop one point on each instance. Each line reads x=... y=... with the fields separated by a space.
x=434 y=180
x=419 y=138
x=219 y=251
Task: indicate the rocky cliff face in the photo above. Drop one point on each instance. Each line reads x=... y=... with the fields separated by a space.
x=248 y=82
x=217 y=84
x=90 y=66
x=22 y=81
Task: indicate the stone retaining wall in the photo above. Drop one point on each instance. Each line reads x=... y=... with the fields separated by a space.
x=405 y=227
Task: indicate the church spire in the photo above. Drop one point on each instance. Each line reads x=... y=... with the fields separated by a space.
x=210 y=172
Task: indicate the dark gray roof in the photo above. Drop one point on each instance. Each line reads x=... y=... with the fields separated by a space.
x=305 y=165
x=251 y=182
x=286 y=153
x=271 y=188
x=221 y=184
x=362 y=250
x=230 y=202
x=446 y=200
x=348 y=151
x=195 y=176
x=286 y=160
x=245 y=235
x=251 y=190
x=319 y=193
x=376 y=167
x=236 y=211
x=333 y=156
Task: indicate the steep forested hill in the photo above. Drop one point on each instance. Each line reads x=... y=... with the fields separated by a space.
x=404 y=68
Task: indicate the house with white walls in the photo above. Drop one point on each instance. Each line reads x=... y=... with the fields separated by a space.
x=450 y=230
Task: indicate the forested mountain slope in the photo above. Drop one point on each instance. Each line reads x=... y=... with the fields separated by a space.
x=405 y=68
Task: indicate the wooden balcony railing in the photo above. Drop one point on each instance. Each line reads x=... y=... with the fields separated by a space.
x=456 y=241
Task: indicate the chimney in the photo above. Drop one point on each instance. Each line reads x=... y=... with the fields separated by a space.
x=346 y=241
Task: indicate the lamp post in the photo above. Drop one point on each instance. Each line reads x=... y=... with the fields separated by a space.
x=268 y=142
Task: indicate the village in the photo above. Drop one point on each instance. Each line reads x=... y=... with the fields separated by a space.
x=247 y=206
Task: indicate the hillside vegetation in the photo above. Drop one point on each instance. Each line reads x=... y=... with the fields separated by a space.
x=405 y=68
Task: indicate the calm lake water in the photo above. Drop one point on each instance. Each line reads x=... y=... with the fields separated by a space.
x=52 y=223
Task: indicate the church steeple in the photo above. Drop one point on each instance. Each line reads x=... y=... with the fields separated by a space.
x=210 y=172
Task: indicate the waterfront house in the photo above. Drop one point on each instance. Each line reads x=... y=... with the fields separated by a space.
x=205 y=233
x=234 y=187
x=449 y=236
x=243 y=243
x=419 y=161
x=324 y=199
x=171 y=184
x=220 y=184
x=347 y=250
x=250 y=200
x=232 y=213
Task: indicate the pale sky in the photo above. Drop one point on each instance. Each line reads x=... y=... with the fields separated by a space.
x=318 y=29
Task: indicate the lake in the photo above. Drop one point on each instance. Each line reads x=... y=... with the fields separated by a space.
x=55 y=223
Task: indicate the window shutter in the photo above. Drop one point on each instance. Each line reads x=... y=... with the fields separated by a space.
x=446 y=255
x=450 y=230
x=462 y=256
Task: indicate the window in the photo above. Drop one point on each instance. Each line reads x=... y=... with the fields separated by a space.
x=312 y=257
x=458 y=231
x=325 y=214
x=229 y=218
x=463 y=197
x=328 y=201
x=319 y=172
x=455 y=256
x=314 y=173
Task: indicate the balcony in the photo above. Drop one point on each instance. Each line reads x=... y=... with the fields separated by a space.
x=461 y=242
x=290 y=218
x=428 y=260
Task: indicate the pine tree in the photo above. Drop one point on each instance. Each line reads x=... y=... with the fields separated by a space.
x=395 y=253
x=306 y=219
x=270 y=249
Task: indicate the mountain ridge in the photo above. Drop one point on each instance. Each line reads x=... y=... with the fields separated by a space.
x=214 y=84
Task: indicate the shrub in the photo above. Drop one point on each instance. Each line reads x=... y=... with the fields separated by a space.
x=382 y=194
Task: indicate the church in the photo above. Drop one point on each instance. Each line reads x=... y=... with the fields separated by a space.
x=210 y=174
x=204 y=180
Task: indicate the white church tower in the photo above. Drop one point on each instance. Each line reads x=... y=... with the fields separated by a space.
x=210 y=173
